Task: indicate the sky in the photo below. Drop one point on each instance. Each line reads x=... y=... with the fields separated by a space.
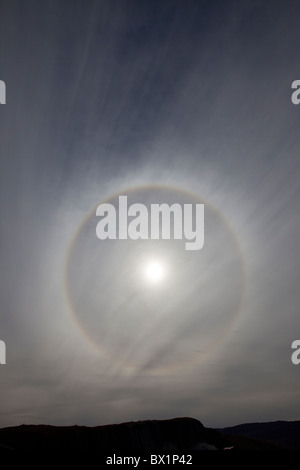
x=165 y=102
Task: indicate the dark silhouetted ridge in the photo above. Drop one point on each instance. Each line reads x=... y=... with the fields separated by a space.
x=285 y=434
x=173 y=434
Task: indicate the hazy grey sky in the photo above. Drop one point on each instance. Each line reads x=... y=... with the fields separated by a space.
x=105 y=96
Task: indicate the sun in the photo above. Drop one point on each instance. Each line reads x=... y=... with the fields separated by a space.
x=155 y=272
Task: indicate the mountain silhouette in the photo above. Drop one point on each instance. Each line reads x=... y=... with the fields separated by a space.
x=178 y=434
x=285 y=434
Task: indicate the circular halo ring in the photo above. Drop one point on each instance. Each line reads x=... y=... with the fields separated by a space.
x=216 y=344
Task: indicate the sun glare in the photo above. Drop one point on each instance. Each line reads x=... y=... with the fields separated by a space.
x=155 y=272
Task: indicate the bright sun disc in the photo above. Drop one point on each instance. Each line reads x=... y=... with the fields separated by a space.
x=155 y=271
